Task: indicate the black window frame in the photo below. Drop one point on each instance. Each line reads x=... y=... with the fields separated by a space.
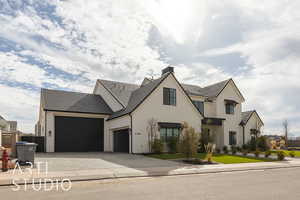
x=164 y=136
x=169 y=96
x=232 y=138
x=229 y=108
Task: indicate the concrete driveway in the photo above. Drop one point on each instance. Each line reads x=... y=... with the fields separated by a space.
x=99 y=160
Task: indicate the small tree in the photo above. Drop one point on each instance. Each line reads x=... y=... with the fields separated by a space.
x=152 y=130
x=189 y=141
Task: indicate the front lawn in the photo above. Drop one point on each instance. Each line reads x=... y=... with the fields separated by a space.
x=220 y=158
x=287 y=152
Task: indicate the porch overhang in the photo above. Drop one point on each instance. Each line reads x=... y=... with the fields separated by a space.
x=212 y=121
x=169 y=125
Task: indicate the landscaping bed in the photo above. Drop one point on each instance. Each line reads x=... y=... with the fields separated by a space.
x=217 y=158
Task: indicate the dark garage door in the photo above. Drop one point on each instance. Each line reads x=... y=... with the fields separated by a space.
x=121 y=141
x=75 y=134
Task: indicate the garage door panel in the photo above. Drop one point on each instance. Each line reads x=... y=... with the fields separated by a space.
x=74 y=134
x=121 y=141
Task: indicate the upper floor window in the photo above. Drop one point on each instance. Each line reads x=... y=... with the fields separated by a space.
x=229 y=108
x=199 y=105
x=232 y=138
x=169 y=96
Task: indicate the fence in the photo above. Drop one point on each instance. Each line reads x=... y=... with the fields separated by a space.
x=39 y=140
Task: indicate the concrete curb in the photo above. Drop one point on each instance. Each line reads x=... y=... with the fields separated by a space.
x=141 y=174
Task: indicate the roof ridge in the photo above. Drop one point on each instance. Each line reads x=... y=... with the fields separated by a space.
x=218 y=83
x=135 y=84
x=68 y=91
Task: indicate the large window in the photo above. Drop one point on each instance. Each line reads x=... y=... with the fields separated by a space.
x=167 y=133
x=229 y=108
x=199 y=105
x=169 y=96
x=232 y=138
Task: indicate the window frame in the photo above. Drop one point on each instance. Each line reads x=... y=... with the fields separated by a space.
x=232 y=140
x=229 y=110
x=164 y=137
x=169 y=96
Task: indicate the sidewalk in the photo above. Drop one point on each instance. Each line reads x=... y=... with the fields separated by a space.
x=6 y=178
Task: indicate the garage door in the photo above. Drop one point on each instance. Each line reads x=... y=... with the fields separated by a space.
x=121 y=141
x=75 y=134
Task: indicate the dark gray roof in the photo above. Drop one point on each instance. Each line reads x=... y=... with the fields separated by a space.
x=138 y=96
x=208 y=91
x=192 y=89
x=57 y=100
x=246 y=115
x=122 y=91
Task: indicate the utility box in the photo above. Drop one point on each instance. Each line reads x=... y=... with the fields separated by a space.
x=26 y=152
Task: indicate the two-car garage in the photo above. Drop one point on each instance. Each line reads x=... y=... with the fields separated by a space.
x=76 y=122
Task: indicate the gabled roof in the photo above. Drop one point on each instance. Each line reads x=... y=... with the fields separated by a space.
x=121 y=91
x=247 y=115
x=138 y=96
x=57 y=100
x=2 y=117
x=209 y=91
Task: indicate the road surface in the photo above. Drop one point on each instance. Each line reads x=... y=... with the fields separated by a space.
x=248 y=185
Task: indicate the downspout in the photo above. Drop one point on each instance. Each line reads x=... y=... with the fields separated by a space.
x=131 y=133
x=243 y=134
x=45 y=145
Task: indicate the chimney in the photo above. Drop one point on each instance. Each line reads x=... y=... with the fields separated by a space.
x=167 y=69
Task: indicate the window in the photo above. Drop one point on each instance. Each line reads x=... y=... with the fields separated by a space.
x=232 y=138
x=199 y=105
x=167 y=133
x=229 y=108
x=169 y=96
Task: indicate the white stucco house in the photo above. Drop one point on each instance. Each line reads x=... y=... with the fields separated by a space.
x=115 y=117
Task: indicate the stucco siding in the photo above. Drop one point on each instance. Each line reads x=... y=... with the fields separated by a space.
x=153 y=107
x=108 y=98
x=232 y=120
x=253 y=123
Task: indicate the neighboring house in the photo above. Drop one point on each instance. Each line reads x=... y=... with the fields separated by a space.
x=116 y=116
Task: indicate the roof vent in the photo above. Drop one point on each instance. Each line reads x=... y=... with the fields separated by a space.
x=167 y=69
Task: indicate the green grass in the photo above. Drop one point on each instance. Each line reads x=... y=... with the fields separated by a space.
x=297 y=153
x=220 y=158
x=231 y=159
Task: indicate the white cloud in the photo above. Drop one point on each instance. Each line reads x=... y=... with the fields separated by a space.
x=123 y=40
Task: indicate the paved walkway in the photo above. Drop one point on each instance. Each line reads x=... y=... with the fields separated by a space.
x=124 y=165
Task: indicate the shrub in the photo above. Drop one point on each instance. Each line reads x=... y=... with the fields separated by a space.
x=239 y=149
x=225 y=149
x=245 y=152
x=292 y=154
x=256 y=153
x=280 y=155
x=233 y=150
x=252 y=144
x=204 y=140
x=157 y=146
x=245 y=147
x=218 y=151
x=173 y=144
x=267 y=154
x=189 y=141
x=261 y=143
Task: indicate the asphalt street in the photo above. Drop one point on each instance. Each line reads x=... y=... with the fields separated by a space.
x=255 y=185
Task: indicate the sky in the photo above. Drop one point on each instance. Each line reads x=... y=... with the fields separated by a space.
x=69 y=44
